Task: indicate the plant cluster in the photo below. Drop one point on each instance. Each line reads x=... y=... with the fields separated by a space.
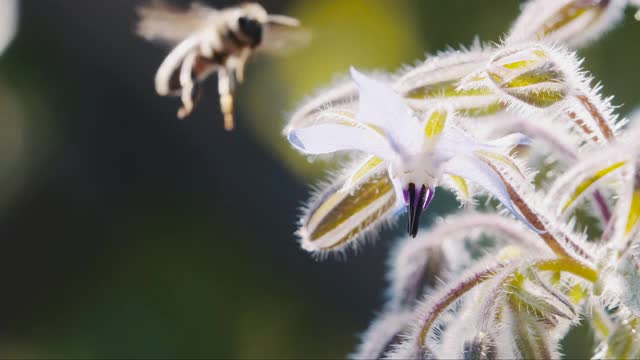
x=522 y=122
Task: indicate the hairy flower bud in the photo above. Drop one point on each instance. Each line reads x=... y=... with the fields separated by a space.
x=541 y=302
x=538 y=80
x=345 y=210
x=528 y=74
x=437 y=81
x=572 y=22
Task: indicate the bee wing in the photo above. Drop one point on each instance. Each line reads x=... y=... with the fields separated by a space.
x=283 y=20
x=282 y=35
x=166 y=24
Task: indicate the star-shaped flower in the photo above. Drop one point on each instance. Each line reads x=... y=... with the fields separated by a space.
x=409 y=156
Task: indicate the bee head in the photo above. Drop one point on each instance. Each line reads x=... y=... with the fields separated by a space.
x=251 y=21
x=251 y=29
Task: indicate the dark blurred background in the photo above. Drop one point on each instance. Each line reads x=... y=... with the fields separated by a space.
x=126 y=232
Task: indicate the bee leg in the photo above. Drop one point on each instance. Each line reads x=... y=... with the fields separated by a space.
x=187 y=85
x=226 y=85
x=210 y=44
x=240 y=62
x=206 y=50
x=196 y=93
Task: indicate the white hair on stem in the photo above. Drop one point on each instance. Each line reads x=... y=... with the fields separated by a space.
x=481 y=328
x=412 y=255
x=556 y=234
x=427 y=313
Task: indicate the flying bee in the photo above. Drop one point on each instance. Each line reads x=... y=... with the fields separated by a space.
x=207 y=41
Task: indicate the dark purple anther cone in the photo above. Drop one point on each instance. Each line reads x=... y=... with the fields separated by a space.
x=416 y=203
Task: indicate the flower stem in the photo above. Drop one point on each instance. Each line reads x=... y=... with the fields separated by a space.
x=453 y=294
x=568 y=265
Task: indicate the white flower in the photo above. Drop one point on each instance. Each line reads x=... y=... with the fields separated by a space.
x=415 y=153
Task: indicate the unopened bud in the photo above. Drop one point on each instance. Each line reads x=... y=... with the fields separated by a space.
x=346 y=210
x=543 y=303
x=572 y=22
x=529 y=75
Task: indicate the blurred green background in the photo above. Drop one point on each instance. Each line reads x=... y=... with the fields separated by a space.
x=129 y=233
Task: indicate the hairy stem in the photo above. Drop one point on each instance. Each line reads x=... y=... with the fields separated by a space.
x=536 y=221
x=599 y=118
x=453 y=294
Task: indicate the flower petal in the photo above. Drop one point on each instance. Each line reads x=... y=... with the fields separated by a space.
x=381 y=106
x=472 y=169
x=455 y=142
x=507 y=142
x=336 y=131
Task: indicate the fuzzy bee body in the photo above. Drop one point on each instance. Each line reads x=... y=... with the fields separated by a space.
x=208 y=41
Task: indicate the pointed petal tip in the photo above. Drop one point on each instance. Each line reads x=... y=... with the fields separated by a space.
x=521 y=139
x=356 y=75
x=295 y=140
